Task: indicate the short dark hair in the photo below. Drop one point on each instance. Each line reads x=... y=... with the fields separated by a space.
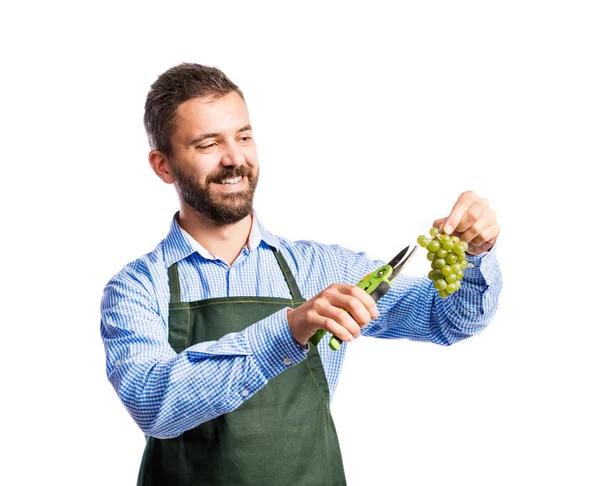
x=172 y=88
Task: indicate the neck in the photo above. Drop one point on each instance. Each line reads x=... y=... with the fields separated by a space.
x=222 y=241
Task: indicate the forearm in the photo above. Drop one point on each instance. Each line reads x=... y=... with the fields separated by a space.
x=468 y=311
x=412 y=309
x=168 y=393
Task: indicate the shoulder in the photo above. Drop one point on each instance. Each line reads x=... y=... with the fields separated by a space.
x=308 y=256
x=140 y=277
x=306 y=252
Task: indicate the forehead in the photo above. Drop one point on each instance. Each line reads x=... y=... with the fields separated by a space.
x=222 y=115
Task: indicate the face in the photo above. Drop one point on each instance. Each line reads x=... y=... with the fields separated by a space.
x=214 y=159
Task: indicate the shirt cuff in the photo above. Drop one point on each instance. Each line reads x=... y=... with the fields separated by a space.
x=482 y=267
x=273 y=344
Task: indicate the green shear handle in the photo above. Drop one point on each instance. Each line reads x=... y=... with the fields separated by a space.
x=376 y=284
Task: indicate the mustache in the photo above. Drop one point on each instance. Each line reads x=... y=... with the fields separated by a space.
x=229 y=173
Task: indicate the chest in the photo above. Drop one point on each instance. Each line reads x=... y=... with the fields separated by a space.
x=255 y=274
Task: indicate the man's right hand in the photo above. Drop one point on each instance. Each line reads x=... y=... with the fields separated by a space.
x=327 y=310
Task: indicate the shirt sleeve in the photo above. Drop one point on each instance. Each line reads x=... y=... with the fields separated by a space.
x=413 y=310
x=168 y=393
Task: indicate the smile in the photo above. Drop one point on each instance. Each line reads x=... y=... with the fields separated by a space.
x=232 y=185
x=231 y=181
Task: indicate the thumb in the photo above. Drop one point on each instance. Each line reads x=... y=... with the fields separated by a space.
x=439 y=223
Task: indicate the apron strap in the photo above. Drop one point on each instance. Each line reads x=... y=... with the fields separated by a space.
x=174 y=284
x=287 y=273
x=285 y=269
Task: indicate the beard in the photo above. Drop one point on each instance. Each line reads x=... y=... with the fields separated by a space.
x=218 y=207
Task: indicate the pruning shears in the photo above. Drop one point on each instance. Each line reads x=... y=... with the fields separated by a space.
x=376 y=284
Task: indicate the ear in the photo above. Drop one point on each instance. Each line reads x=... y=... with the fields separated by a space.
x=161 y=166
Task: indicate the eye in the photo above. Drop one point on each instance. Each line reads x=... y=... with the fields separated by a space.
x=210 y=145
x=245 y=139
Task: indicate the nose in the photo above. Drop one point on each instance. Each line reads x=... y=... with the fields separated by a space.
x=232 y=156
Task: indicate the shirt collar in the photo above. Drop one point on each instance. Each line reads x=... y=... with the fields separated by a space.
x=179 y=244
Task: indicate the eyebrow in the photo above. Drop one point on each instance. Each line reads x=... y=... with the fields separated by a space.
x=204 y=136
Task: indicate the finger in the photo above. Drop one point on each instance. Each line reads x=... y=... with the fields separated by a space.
x=487 y=237
x=342 y=318
x=487 y=218
x=354 y=307
x=472 y=215
x=366 y=299
x=462 y=205
x=331 y=325
x=439 y=223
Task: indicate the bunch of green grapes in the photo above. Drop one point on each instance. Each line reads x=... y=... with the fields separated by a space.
x=448 y=260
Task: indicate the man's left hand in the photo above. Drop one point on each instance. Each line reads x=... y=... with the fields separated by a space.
x=472 y=220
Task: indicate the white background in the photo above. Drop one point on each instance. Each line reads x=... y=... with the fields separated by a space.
x=370 y=119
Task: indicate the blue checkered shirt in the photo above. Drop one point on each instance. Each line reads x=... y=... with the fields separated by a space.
x=168 y=393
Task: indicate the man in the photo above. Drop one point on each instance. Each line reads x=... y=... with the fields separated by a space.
x=207 y=337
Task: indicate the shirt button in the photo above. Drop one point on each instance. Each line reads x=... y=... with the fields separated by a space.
x=245 y=393
x=287 y=361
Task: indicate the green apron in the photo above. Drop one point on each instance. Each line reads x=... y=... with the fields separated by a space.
x=282 y=435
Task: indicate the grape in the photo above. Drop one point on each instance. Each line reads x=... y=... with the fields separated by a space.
x=434 y=246
x=459 y=252
x=451 y=288
x=449 y=245
x=447 y=255
x=423 y=241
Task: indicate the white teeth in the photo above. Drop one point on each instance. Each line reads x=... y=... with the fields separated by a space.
x=231 y=181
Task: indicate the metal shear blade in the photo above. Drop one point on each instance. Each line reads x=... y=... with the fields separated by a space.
x=401 y=259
